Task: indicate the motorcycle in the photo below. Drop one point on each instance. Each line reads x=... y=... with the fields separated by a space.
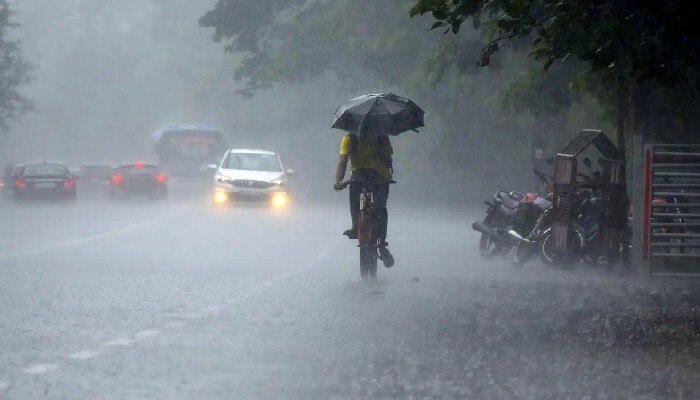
x=500 y=217
x=584 y=235
x=535 y=228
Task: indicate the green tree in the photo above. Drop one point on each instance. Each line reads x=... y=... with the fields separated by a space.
x=636 y=50
x=374 y=45
x=15 y=71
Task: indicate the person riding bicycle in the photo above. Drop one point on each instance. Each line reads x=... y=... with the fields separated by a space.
x=370 y=160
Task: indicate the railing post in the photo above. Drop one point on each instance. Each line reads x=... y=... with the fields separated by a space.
x=638 y=201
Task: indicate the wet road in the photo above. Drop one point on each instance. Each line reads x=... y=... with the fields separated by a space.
x=177 y=300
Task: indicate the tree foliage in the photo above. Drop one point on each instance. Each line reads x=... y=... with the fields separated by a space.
x=15 y=71
x=295 y=40
x=374 y=46
x=638 y=39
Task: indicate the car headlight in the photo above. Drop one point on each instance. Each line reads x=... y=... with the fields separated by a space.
x=278 y=182
x=279 y=200
x=220 y=197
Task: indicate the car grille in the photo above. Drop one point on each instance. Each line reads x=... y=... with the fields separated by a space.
x=243 y=183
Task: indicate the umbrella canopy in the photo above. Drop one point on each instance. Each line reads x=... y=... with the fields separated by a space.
x=378 y=115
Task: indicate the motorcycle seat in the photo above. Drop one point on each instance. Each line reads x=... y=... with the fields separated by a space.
x=509 y=202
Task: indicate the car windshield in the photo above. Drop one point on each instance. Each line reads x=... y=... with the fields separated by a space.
x=253 y=162
x=44 y=169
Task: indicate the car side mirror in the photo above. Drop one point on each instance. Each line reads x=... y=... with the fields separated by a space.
x=291 y=172
x=212 y=167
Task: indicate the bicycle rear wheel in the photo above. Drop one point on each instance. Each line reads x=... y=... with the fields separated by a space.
x=368 y=246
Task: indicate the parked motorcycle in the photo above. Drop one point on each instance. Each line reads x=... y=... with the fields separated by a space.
x=500 y=218
x=537 y=224
x=584 y=234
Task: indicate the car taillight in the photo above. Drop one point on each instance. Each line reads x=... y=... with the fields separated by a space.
x=161 y=178
x=20 y=183
x=117 y=179
x=69 y=183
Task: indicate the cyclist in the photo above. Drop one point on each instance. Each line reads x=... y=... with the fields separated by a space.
x=370 y=160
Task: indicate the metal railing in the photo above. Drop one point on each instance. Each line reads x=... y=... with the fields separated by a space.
x=671 y=220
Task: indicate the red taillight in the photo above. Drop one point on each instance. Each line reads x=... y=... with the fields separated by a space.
x=69 y=183
x=161 y=178
x=139 y=165
x=20 y=183
x=117 y=179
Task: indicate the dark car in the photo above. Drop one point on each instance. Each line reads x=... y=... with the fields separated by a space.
x=138 y=180
x=94 y=180
x=47 y=180
x=5 y=186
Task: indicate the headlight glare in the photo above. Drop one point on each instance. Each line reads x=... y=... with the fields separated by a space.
x=220 y=197
x=280 y=200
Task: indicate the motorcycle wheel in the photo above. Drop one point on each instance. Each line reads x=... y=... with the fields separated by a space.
x=522 y=254
x=593 y=254
x=488 y=247
x=550 y=256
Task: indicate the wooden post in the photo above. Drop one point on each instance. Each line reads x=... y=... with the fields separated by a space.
x=621 y=114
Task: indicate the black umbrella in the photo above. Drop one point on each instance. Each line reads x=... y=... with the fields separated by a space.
x=378 y=115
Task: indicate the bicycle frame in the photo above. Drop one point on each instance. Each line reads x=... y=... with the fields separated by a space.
x=367 y=205
x=367 y=227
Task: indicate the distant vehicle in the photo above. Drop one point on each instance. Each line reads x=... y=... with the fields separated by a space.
x=185 y=150
x=95 y=180
x=6 y=178
x=251 y=176
x=49 y=180
x=138 y=179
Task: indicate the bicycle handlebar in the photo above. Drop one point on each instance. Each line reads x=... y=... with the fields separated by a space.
x=347 y=183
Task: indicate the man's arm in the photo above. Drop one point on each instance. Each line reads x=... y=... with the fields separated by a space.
x=340 y=171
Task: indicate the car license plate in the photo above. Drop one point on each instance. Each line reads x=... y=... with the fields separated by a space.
x=45 y=185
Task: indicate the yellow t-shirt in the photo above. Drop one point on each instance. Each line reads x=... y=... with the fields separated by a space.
x=367 y=157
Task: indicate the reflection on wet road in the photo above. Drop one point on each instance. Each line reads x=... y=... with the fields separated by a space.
x=178 y=300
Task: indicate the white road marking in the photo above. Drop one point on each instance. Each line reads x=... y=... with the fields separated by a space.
x=191 y=316
x=147 y=334
x=119 y=342
x=174 y=324
x=84 y=355
x=212 y=309
x=39 y=369
x=93 y=238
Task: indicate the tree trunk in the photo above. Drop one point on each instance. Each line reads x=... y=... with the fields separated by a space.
x=622 y=114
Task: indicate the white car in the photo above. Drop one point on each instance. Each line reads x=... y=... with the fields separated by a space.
x=246 y=175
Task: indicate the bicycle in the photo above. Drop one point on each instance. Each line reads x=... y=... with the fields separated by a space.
x=367 y=227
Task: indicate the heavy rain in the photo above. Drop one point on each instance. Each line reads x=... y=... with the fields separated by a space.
x=349 y=199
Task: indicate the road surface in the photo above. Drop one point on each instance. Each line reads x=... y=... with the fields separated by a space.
x=177 y=300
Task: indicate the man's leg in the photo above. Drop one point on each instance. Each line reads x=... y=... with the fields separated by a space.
x=354 y=211
x=381 y=197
